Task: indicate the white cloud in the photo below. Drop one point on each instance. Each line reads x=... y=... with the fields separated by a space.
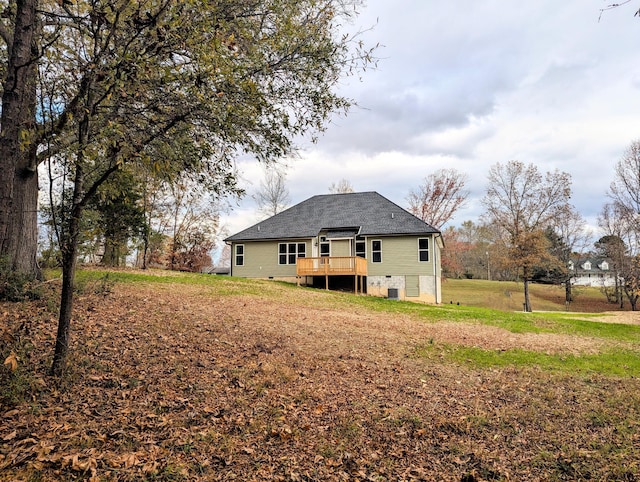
x=470 y=83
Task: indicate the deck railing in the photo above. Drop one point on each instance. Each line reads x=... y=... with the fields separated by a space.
x=331 y=266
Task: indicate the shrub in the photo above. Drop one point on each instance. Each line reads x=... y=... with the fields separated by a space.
x=16 y=286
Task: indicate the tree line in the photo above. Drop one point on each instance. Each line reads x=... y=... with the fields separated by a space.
x=530 y=231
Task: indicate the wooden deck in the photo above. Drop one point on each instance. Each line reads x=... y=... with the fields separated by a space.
x=333 y=266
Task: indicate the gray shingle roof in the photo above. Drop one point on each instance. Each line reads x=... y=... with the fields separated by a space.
x=368 y=213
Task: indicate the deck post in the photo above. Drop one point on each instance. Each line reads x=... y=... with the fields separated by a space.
x=326 y=274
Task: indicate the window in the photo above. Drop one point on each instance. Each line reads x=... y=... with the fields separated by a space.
x=325 y=247
x=239 y=254
x=376 y=251
x=361 y=247
x=423 y=249
x=288 y=252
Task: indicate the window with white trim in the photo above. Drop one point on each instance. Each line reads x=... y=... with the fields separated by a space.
x=288 y=252
x=423 y=249
x=325 y=247
x=376 y=251
x=361 y=247
x=239 y=254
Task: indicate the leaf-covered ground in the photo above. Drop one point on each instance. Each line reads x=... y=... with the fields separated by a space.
x=180 y=382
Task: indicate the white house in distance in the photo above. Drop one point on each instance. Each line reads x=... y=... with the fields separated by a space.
x=591 y=272
x=357 y=241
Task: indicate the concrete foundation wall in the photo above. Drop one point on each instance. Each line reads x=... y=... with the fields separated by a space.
x=429 y=288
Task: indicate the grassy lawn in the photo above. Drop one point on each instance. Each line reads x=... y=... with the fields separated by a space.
x=509 y=296
x=180 y=377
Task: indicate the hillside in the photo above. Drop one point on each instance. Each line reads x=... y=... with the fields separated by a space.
x=202 y=378
x=507 y=295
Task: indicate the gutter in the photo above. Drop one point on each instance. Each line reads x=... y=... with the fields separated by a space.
x=231 y=260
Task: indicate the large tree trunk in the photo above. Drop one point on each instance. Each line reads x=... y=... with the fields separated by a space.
x=18 y=166
x=112 y=249
x=111 y=256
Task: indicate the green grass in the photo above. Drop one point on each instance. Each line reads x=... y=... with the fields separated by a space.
x=579 y=324
x=613 y=362
x=515 y=322
x=93 y=278
x=509 y=296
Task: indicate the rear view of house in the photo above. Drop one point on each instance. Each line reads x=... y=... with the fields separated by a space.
x=357 y=241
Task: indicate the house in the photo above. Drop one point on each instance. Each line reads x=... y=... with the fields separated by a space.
x=357 y=241
x=590 y=271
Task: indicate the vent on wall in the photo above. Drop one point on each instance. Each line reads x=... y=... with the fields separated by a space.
x=392 y=293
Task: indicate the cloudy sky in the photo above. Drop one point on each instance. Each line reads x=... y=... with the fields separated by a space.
x=470 y=83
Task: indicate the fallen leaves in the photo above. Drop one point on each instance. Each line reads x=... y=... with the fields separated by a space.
x=11 y=362
x=255 y=388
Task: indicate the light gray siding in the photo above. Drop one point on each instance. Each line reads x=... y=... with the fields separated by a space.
x=341 y=247
x=400 y=268
x=400 y=257
x=261 y=260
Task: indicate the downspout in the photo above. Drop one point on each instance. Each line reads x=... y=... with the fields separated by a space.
x=435 y=264
x=231 y=260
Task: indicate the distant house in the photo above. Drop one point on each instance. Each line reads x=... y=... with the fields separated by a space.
x=590 y=271
x=357 y=241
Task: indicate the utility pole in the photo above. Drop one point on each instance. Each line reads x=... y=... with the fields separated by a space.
x=488 y=270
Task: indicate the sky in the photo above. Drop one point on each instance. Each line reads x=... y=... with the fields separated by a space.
x=472 y=83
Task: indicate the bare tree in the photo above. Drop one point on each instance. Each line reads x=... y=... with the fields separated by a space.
x=476 y=259
x=615 y=245
x=616 y=5
x=341 y=187
x=439 y=197
x=224 y=261
x=273 y=195
x=622 y=215
x=624 y=192
x=569 y=227
x=521 y=203
x=194 y=221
